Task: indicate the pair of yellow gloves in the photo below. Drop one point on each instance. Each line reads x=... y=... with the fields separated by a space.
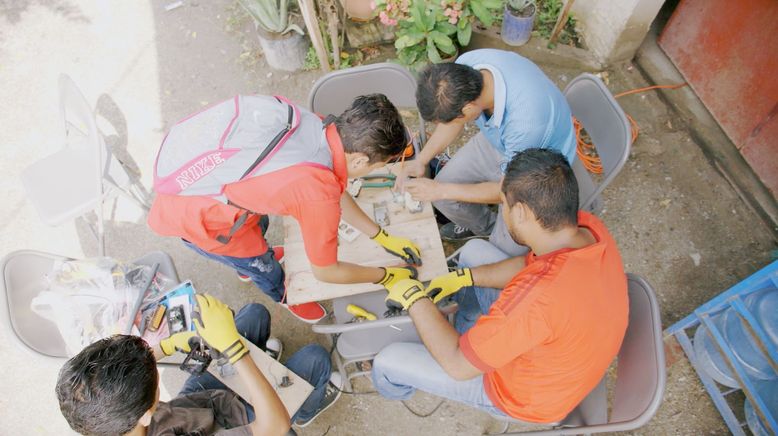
x=215 y=324
x=404 y=289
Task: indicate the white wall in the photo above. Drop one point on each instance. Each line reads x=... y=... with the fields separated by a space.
x=614 y=29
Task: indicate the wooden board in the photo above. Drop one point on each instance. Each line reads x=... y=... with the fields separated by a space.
x=292 y=396
x=420 y=227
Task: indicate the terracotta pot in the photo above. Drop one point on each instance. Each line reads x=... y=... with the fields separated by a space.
x=358 y=10
x=283 y=52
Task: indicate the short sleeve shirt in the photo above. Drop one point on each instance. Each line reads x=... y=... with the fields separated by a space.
x=308 y=192
x=529 y=109
x=556 y=327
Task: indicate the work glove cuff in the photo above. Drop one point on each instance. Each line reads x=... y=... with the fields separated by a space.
x=236 y=351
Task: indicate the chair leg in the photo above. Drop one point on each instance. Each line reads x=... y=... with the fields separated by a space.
x=100 y=230
x=505 y=425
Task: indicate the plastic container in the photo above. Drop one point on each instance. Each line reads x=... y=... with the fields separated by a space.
x=516 y=30
x=763 y=304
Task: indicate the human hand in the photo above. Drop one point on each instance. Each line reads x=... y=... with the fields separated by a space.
x=406 y=170
x=400 y=247
x=442 y=286
x=176 y=342
x=215 y=323
x=404 y=293
x=392 y=275
x=424 y=189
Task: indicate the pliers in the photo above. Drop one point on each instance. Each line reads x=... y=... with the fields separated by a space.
x=388 y=180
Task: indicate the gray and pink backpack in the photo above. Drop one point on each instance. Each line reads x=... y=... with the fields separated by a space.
x=240 y=138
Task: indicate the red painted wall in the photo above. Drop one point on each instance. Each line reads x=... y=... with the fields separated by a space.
x=728 y=52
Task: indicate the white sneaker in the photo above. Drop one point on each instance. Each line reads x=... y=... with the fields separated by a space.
x=331 y=394
x=274 y=347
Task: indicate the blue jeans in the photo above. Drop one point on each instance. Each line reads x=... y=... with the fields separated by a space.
x=311 y=362
x=403 y=367
x=264 y=270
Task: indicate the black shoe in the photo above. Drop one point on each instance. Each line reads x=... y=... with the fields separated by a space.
x=454 y=232
x=331 y=394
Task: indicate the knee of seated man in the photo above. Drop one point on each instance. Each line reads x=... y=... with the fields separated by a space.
x=256 y=310
x=472 y=253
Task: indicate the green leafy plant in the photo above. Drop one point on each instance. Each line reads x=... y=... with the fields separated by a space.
x=272 y=16
x=428 y=31
x=547 y=13
x=518 y=7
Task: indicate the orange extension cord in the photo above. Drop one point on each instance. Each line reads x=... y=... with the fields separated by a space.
x=585 y=149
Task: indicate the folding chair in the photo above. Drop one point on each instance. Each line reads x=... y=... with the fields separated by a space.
x=82 y=175
x=332 y=94
x=640 y=374
x=594 y=106
x=23 y=277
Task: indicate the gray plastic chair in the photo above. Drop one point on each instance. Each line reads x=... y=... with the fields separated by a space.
x=334 y=92
x=82 y=175
x=23 y=277
x=361 y=341
x=640 y=374
x=608 y=127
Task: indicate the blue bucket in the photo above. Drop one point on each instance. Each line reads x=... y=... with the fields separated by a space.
x=516 y=30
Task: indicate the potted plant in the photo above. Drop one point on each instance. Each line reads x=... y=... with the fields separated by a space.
x=281 y=40
x=517 y=22
x=433 y=32
x=425 y=36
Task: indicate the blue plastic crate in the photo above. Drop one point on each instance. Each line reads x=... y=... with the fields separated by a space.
x=735 y=348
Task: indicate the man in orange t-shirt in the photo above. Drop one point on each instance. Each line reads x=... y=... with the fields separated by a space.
x=536 y=348
x=362 y=139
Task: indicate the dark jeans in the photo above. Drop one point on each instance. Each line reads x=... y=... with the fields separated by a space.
x=264 y=270
x=311 y=362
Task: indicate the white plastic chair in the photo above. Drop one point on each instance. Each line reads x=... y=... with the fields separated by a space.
x=609 y=129
x=82 y=175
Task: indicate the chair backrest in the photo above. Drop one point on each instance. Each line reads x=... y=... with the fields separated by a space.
x=640 y=374
x=80 y=126
x=334 y=92
x=609 y=129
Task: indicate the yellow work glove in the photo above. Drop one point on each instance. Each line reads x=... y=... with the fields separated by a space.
x=215 y=323
x=442 y=286
x=400 y=247
x=176 y=342
x=404 y=293
x=393 y=275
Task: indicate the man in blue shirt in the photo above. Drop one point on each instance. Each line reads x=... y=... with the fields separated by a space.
x=515 y=106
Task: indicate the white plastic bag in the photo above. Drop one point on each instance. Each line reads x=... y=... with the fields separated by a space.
x=92 y=299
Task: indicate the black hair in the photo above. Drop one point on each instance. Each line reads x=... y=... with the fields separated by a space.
x=444 y=89
x=543 y=181
x=373 y=126
x=107 y=387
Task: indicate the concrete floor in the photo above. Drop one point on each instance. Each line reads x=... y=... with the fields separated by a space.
x=145 y=68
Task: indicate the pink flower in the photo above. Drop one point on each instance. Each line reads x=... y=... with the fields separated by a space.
x=388 y=7
x=452 y=20
x=372 y=5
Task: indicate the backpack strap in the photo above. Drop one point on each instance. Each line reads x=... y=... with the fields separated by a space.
x=274 y=142
x=225 y=239
x=329 y=119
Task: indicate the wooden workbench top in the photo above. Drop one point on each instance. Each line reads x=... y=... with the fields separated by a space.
x=419 y=227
